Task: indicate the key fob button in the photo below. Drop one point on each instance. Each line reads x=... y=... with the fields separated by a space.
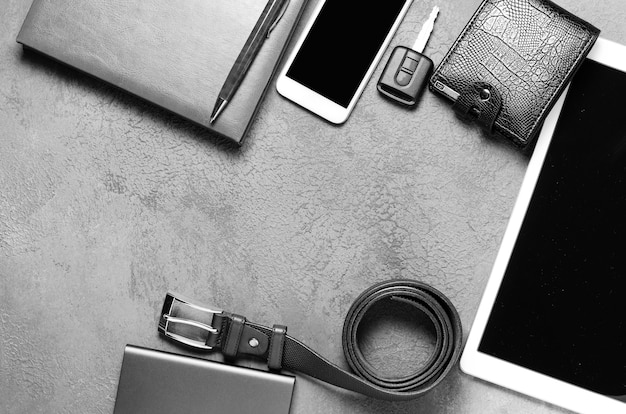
x=403 y=78
x=409 y=64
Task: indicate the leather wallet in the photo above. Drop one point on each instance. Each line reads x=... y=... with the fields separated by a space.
x=510 y=64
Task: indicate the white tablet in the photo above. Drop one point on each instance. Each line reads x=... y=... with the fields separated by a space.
x=552 y=321
x=337 y=53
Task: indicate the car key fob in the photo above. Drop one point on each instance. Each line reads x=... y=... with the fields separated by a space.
x=407 y=70
x=405 y=75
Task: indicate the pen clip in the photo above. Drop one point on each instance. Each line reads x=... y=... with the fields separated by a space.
x=280 y=15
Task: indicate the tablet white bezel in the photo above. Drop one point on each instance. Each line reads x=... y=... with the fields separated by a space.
x=505 y=373
x=312 y=100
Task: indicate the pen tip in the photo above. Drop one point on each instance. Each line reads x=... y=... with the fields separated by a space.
x=219 y=105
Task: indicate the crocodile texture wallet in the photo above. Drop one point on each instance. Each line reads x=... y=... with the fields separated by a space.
x=510 y=64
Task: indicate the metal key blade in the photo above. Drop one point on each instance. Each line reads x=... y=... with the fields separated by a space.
x=427 y=28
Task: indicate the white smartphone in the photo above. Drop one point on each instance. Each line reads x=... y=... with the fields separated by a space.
x=337 y=53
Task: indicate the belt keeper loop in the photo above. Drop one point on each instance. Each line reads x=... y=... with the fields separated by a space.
x=277 y=345
x=231 y=345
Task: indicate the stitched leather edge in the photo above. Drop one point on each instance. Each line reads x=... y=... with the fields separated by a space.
x=437 y=74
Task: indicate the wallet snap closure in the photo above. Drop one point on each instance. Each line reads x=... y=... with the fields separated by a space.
x=479 y=102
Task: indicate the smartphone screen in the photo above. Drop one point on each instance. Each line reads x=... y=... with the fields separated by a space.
x=560 y=308
x=341 y=46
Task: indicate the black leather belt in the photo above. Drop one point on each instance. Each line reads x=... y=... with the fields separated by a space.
x=212 y=329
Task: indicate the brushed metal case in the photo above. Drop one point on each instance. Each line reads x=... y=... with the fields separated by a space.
x=157 y=382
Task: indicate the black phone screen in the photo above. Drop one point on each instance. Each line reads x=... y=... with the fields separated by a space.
x=561 y=307
x=341 y=46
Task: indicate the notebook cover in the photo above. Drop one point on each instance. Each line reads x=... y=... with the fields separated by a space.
x=173 y=53
x=156 y=382
x=510 y=64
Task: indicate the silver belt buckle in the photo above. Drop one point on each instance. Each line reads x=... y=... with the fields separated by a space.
x=187 y=323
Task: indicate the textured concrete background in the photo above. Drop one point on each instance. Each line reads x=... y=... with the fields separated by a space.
x=106 y=203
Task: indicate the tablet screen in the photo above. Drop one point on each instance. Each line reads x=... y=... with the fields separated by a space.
x=561 y=307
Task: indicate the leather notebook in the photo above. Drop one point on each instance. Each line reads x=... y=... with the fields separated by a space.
x=511 y=62
x=156 y=382
x=173 y=53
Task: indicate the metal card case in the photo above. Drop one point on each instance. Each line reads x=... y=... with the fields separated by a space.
x=156 y=382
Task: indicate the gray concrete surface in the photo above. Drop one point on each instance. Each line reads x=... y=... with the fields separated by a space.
x=106 y=203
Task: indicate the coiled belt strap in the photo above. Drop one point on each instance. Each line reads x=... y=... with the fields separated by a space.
x=205 y=328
